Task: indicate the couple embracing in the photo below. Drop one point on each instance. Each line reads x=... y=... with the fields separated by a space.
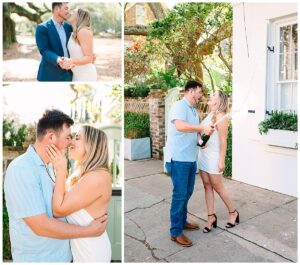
x=54 y=217
x=183 y=156
x=65 y=42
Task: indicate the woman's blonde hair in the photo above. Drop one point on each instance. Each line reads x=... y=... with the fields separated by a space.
x=223 y=105
x=96 y=152
x=83 y=21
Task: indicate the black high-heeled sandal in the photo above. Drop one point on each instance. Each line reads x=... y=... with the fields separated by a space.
x=237 y=220
x=214 y=224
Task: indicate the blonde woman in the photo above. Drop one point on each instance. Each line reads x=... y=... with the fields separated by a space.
x=80 y=46
x=85 y=196
x=211 y=161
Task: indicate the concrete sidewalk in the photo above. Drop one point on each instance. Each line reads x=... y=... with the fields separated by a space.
x=267 y=231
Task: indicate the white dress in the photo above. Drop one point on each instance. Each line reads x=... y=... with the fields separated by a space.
x=89 y=249
x=86 y=72
x=208 y=158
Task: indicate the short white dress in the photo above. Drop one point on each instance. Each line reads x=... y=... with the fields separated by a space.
x=208 y=158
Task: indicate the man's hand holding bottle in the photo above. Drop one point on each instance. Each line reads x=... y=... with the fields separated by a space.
x=204 y=137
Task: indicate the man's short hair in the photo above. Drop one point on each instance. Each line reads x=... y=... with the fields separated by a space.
x=52 y=120
x=55 y=4
x=192 y=84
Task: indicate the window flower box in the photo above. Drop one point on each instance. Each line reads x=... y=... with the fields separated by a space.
x=280 y=129
x=283 y=138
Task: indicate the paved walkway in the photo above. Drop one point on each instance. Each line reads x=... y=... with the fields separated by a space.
x=267 y=231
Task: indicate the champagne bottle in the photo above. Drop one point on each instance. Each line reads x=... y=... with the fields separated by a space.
x=204 y=138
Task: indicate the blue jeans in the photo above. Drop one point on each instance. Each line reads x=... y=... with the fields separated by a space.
x=183 y=179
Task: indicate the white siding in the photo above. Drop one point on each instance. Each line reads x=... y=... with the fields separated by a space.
x=255 y=163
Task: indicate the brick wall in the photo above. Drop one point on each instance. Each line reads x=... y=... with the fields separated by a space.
x=157 y=121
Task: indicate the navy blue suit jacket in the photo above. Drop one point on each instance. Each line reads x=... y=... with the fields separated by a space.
x=49 y=45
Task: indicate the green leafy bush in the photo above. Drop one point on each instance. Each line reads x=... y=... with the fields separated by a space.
x=228 y=158
x=281 y=121
x=157 y=79
x=136 y=125
x=6 y=240
x=165 y=79
x=13 y=136
x=136 y=90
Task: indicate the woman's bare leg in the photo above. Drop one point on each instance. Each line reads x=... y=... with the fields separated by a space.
x=217 y=184
x=209 y=197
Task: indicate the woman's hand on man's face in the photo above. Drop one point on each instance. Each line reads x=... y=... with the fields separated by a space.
x=57 y=159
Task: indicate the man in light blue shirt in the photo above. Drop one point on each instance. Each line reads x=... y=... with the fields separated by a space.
x=181 y=154
x=62 y=35
x=35 y=235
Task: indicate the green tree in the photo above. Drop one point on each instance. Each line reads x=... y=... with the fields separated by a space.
x=116 y=96
x=33 y=12
x=189 y=33
x=105 y=16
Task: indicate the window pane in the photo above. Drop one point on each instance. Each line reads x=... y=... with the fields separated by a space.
x=286 y=96
x=295 y=66
x=140 y=15
x=285 y=33
x=294 y=38
x=295 y=88
x=284 y=67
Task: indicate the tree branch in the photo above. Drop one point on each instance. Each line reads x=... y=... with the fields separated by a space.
x=72 y=86
x=207 y=46
x=136 y=30
x=210 y=76
x=21 y=11
x=229 y=67
x=157 y=10
x=38 y=10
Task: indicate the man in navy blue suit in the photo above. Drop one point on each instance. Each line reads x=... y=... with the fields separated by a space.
x=52 y=37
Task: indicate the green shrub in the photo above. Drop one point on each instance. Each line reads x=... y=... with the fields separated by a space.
x=136 y=125
x=136 y=90
x=157 y=79
x=13 y=136
x=165 y=79
x=281 y=121
x=6 y=240
x=228 y=158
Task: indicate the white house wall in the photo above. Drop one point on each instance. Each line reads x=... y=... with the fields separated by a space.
x=255 y=163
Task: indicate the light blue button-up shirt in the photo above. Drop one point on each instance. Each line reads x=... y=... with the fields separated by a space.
x=62 y=35
x=28 y=190
x=182 y=146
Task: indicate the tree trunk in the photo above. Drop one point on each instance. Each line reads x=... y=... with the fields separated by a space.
x=198 y=70
x=9 y=32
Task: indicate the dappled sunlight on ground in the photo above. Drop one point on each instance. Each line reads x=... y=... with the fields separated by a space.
x=21 y=61
x=109 y=58
x=20 y=69
x=25 y=49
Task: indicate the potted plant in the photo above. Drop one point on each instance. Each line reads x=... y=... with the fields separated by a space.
x=137 y=136
x=280 y=129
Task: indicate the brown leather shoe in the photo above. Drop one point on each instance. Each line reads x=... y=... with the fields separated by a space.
x=189 y=226
x=182 y=241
